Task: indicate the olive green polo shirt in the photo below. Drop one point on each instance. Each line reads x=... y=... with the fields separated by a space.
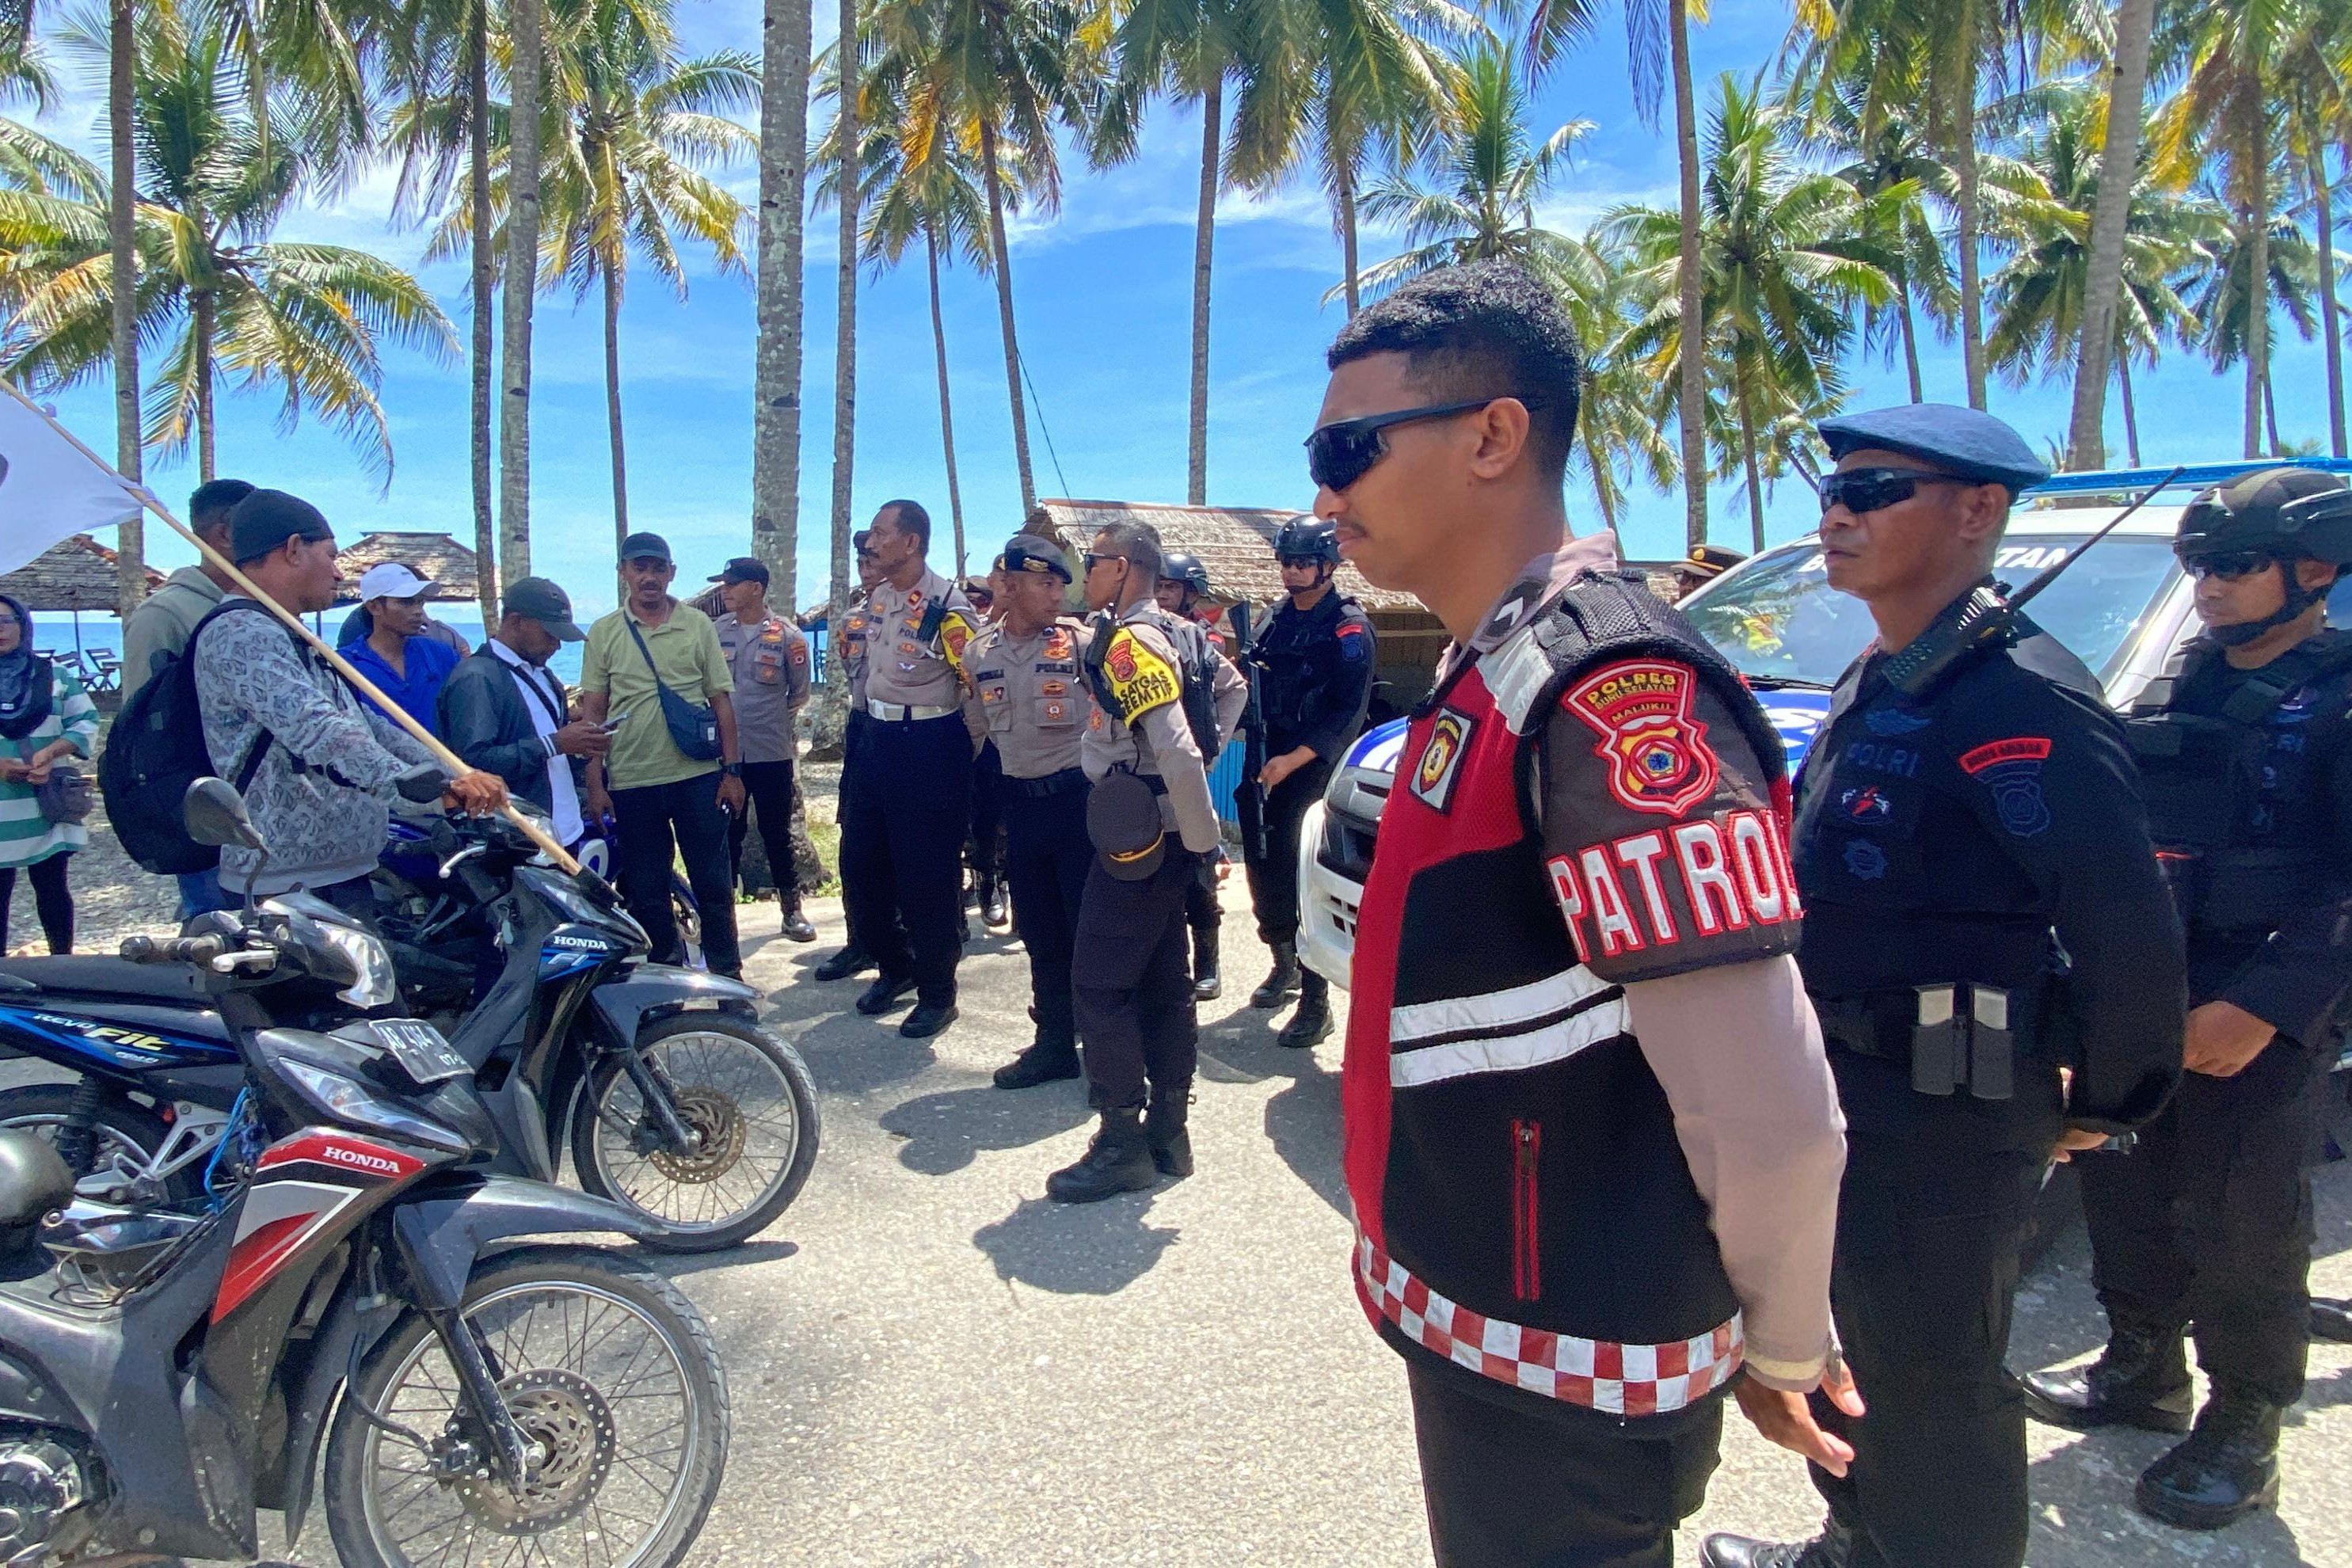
x=686 y=651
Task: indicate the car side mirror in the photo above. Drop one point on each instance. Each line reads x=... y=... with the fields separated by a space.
x=215 y=815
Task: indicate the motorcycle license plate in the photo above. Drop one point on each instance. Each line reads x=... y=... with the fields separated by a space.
x=419 y=1049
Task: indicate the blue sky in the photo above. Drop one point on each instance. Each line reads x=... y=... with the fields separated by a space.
x=1103 y=299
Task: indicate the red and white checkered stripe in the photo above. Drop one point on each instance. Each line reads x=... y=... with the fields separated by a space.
x=1624 y=1380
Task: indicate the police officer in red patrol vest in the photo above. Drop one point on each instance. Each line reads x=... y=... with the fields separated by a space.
x=1593 y=1154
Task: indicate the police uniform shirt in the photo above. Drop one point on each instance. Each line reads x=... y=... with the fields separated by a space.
x=857 y=639
x=1318 y=665
x=903 y=666
x=1150 y=733
x=770 y=662
x=1941 y=840
x=1031 y=696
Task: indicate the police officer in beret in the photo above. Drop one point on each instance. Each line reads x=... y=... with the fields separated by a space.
x=1149 y=819
x=1031 y=696
x=1183 y=582
x=2206 y=1226
x=1317 y=659
x=1968 y=822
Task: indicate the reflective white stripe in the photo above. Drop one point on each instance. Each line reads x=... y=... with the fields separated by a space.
x=1509 y=1053
x=1494 y=1009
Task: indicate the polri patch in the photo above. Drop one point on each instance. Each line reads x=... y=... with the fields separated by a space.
x=1352 y=641
x=2011 y=769
x=1654 y=744
x=1440 y=760
x=1140 y=680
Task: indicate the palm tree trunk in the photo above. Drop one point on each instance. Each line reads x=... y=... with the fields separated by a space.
x=131 y=581
x=1964 y=161
x=1205 y=237
x=612 y=403
x=1747 y=458
x=520 y=283
x=947 y=411
x=483 y=281
x=1692 y=394
x=2258 y=300
x=1347 y=235
x=2270 y=413
x=2329 y=331
x=1911 y=347
x=2131 y=411
x=2086 y=445
x=776 y=364
x=994 y=182
x=203 y=311
x=1601 y=497
x=847 y=137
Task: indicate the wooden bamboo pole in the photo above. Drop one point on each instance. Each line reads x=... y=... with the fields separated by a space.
x=448 y=759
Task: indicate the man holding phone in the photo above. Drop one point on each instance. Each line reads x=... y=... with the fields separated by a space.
x=503 y=711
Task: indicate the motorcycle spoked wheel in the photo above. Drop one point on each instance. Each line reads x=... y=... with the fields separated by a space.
x=130 y=1135
x=613 y=1378
x=749 y=1096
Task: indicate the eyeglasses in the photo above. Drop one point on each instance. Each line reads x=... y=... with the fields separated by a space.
x=1093 y=559
x=2230 y=568
x=1299 y=562
x=1860 y=490
x=1340 y=453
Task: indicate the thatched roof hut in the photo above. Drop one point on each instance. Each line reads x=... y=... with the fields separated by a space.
x=435 y=557
x=1235 y=543
x=78 y=574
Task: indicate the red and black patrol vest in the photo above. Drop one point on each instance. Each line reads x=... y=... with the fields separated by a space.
x=1523 y=1208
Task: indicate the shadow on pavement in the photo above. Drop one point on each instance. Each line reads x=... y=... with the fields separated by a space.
x=850 y=1054
x=1076 y=1250
x=944 y=1130
x=2086 y=1486
x=755 y=1250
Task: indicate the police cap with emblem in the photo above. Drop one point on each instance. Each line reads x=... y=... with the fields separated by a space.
x=1027 y=553
x=1123 y=823
x=1707 y=562
x=1964 y=442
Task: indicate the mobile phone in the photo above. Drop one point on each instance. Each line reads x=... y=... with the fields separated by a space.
x=614 y=723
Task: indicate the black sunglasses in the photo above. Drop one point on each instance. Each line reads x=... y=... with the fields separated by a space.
x=1340 y=453
x=1873 y=489
x=2229 y=567
x=1093 y=559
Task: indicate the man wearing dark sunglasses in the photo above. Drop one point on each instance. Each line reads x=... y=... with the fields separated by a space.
x=1969 y=809
x=2246 y=745
x=1591 y=1144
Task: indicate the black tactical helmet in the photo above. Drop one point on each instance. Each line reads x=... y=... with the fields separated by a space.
x=1183 y=566
x=1307 y=536
x=2290 y=514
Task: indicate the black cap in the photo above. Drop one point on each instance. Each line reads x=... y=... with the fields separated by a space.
x=536 y=599
x=1123 y=822
x=1028 y=552
x=1706 y=561
x=267 y=519
x=646 y=547
x=1964 y=442
x=1307 y=536
x=743 y=569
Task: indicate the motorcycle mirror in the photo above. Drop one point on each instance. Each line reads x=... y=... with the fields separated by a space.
x=215 y=815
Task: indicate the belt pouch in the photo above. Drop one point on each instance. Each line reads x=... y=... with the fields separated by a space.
x=1936 y=1041
x=1992 y=1045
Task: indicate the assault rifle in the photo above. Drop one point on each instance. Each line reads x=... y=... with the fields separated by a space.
x=1249 y=797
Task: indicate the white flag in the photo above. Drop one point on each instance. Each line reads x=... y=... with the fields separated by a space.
x=49 y=488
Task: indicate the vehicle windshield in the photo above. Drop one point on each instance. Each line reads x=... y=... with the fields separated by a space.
x=1778 y=619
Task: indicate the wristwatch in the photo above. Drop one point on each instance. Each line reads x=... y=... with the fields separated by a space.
x=732 y=770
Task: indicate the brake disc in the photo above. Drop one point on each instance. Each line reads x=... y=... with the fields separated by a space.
x=719 y=1121
x=568 y=1426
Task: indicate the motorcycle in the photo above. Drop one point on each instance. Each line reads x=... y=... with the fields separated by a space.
x=367 y=1283
x=673 y=1100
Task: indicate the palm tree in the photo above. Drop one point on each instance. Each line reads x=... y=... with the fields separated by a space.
x=1619 y=430
x=847 y=55
x=1780 y=263
x=2319 y=113
x=123 y=255
x=2220 y=295
x=306 y=319
x=526 y=73
x=2110 y=228
x=776 y=364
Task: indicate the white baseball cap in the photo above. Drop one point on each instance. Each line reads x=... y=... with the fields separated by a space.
x=390 y=580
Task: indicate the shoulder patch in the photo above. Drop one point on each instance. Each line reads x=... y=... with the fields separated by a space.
x=1140 y=680
x=2011 y=769
x=1440 y=760
x=1652 y=742
x=955 y=632
x=1353 y=640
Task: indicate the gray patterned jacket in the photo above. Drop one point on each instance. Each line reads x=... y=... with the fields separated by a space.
x=321 y=796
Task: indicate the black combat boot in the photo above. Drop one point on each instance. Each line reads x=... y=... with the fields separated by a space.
x=1282 y=981
x=796 y=924
x=1041 y=1063
x=1117 y=1161
x=2331 y=1320
x=885 y=993
x=1164 y=1129
x=1312 y=1022
x=1207 y=984
x=851 y=960
x=2225 y=1470
x=994 y=911
x=1833 y=1548
x=2141 y=1380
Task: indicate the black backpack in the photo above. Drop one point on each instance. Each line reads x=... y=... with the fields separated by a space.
x=156 y=751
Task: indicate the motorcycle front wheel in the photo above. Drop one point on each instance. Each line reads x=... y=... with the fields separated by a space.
x=610 y=1375
x=747 y=1097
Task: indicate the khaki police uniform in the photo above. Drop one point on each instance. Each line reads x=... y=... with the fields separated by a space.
x=770 y=659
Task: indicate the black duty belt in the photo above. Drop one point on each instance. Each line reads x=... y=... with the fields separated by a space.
x=1062 y=783
x=1950 y=1033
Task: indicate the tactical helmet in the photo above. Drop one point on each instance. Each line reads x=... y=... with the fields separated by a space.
x=2290 y=514
x=1308 y=537
x=1183 y=566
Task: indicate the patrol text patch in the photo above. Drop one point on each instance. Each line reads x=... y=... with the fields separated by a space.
x=1440 y=760
x=1654 y=746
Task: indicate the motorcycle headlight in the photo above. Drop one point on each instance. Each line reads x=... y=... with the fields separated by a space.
x=346 y=953
x=353 y=1103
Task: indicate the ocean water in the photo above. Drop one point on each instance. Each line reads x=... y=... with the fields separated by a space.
x=54 y=631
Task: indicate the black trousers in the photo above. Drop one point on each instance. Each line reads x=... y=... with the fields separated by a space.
x=2206 y=1222
x=1046 y=860
x=1506 y=1488
x=1937 y=1195
x=1200 y=911
x=986 y=846
x=1134 y=992
x=1274 y=881
x=769 y=787
x=681 y=819
x=52 y=900
x=907 y=807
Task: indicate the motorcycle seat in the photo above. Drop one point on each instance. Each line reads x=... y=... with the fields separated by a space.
x=33 y=1181
x=94 y=975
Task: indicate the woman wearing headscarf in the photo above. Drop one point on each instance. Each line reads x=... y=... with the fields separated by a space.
x=44 y=717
